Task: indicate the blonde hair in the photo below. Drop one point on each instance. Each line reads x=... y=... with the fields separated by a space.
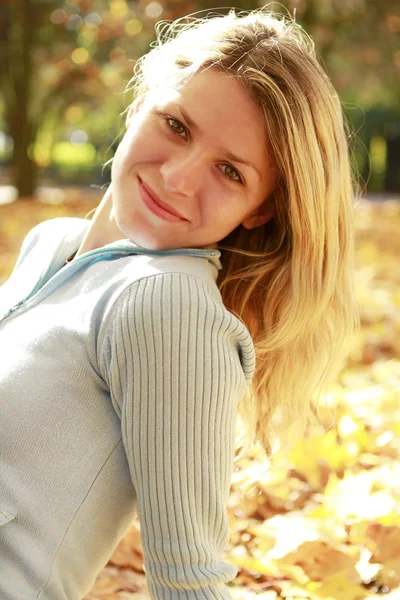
x=289 y=281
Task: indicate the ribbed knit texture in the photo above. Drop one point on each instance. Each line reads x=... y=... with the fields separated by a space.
x=171 y=358
x=120 y=375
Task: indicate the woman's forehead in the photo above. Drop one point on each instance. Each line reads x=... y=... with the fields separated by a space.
x=214 y=94
x=217 y=109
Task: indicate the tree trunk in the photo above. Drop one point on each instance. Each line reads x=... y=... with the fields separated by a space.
x=392 y=177
x=23 y=166
x=20 y=41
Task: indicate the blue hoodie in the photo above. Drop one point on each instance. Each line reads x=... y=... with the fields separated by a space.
x=120 y=375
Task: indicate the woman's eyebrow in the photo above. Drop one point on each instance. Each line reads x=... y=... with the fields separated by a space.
x=224 y=151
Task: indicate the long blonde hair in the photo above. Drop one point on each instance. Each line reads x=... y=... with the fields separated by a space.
x=290 y=281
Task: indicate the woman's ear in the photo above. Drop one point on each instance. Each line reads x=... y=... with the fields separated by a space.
x=260 y=215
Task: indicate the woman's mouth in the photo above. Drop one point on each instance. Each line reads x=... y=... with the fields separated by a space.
x=157 y=206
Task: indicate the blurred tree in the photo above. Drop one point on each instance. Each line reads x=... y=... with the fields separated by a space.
x=359 y=43
x=382 y=123
x=53 y=55
x=80 y=54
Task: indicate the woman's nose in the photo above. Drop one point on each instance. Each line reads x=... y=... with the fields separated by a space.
x=183 y=175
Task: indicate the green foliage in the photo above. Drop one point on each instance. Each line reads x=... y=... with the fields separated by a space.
x=81 y=53
x=72 y=155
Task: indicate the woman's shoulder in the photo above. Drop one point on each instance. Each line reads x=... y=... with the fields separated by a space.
x=57 y=226
x=69 y=229
x=179 y=297
x=46 y=236
x=188 y=266
x=176 y=305
x=56 y=229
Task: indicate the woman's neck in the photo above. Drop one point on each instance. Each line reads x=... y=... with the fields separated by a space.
x=103 y=229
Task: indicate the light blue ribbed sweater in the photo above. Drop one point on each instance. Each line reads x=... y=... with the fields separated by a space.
x=120 y=375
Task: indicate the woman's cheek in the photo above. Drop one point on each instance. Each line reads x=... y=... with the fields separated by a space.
x=220 y=208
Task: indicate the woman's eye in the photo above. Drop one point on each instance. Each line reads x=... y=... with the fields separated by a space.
x=239 y=179
x=172 y=120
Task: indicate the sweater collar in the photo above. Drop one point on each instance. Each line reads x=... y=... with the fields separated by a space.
x=77 y=233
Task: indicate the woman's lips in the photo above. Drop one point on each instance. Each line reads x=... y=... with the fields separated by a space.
x=156 y=205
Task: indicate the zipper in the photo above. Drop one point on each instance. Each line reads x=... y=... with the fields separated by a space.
x=12 y=309
x=108 y=251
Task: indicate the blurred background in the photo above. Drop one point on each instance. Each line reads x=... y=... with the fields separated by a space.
x=64 y=66
x=324 y=521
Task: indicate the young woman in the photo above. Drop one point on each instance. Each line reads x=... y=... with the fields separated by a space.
x=129 y=341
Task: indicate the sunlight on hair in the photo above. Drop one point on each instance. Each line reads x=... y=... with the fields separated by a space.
x=290 y=281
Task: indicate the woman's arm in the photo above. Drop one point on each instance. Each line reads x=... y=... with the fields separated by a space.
x=174 y=369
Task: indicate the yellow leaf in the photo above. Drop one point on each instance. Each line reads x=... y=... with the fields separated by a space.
x=339 y=587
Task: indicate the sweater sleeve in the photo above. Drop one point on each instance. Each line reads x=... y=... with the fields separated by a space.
x=177 y=363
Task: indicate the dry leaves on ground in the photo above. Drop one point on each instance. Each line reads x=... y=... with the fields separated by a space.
x=324 y=522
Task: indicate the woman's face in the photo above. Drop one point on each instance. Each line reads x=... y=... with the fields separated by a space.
x=190 y=167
